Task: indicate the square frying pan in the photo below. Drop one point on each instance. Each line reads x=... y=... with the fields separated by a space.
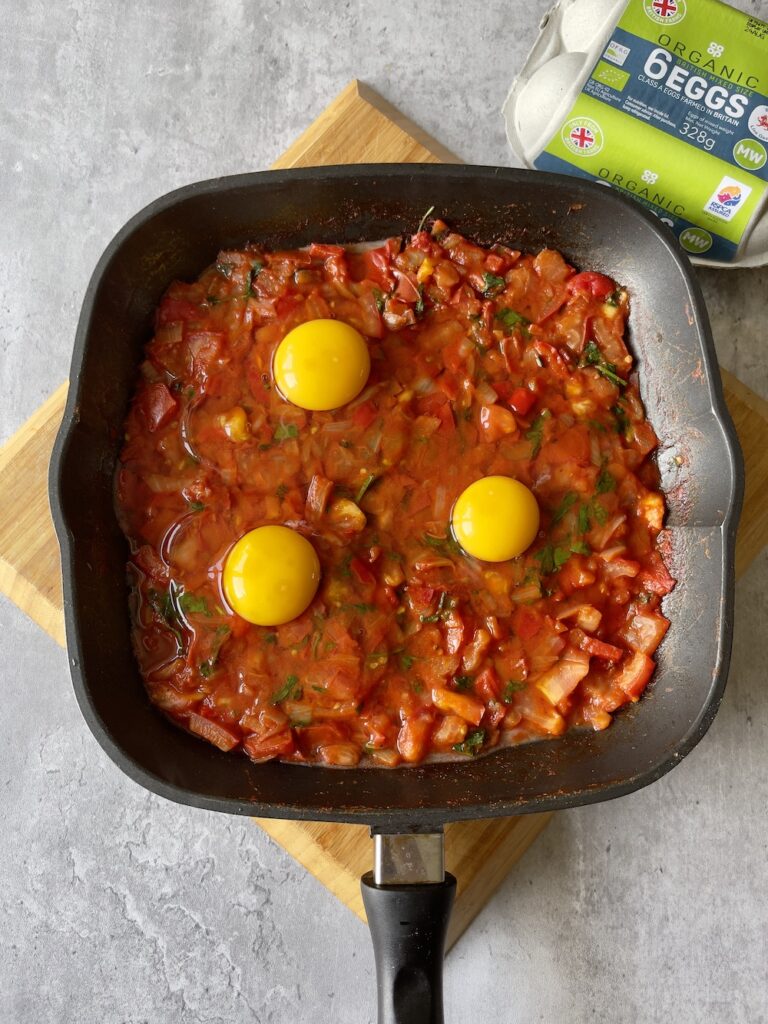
x=175 y=237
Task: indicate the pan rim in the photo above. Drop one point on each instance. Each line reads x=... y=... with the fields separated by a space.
x=726 y=529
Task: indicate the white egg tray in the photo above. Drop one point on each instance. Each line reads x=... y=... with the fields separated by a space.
x=572 y=37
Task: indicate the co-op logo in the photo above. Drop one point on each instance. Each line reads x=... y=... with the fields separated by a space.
x=664 y=12
x=582 y=136
x=727 y=199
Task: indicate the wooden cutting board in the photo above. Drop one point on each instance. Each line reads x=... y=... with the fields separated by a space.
x=358 y=127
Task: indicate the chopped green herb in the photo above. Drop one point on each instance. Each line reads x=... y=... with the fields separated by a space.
x=598 y=512
x=270 y=638
x=623 y=425
x=594 y=357
x=463 y=682
x=319 y=689
x=195 y=506
x=596 y=425
x=441 y=612
x=509 y=320
x=605 y=482
x=511 y=687
x=406 y=661
x=190 y=393
x=580 y=547
x=569 y=500
x=163 y=606
x=417 y=686
x=364 y=487
x=290 y=688
x=584 y=519
x=284 y=431
x=281 y=491
x=423 y=220
x=225 y=269
x=492 y=285
x=472 y=743
x=265 y=446
x=193 y=604
x=343 y=571
x=362 y=608
x=380 y=298
x=208 y=667
x=446 y=545
x=615 y=297
x=295 y=648
x=552 y=558
x=419 y=307
x=535 y=433
x=253 y=273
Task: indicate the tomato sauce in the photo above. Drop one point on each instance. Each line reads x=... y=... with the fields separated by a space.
x=484 y=361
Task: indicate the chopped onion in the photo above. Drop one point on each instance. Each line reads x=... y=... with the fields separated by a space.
x=440 y=504
x=425 y=385
x=337 y=427
x=485 y=394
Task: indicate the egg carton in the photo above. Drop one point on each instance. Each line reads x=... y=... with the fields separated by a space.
x=578 y=36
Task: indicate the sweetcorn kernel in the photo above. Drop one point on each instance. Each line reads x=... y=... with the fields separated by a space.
x=425 y=270
x=235 y=424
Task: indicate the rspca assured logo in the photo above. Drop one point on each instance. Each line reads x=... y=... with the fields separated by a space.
x=582 y=136
x=727 y=199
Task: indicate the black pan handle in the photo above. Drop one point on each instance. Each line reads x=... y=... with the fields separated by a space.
x=408 y=926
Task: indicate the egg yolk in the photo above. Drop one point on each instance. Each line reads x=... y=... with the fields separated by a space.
x=322 y=364
x=271 y=575
x=495 y=518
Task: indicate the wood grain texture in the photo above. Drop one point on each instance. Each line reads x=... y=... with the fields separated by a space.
x=478 y=853
x=357 y=127
x=750 y=417
x=360 y=127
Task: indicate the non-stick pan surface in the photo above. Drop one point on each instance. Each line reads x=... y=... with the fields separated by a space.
x=176 y=237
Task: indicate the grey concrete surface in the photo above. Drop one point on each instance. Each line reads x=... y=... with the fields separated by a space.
x=116 y=907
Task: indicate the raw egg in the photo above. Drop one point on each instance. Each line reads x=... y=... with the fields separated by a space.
x=495 y=518
x=322 y=364
x=271 y=575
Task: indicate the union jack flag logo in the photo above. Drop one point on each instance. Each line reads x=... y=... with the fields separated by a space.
x=665 y=8
x=582 y=137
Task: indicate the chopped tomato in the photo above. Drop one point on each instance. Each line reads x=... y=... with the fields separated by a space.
x=656 y=578
x=158 y=405
x=597 y=285
x=364 y=415
x=634 y=674
x=173 y=310
x=522 y=400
